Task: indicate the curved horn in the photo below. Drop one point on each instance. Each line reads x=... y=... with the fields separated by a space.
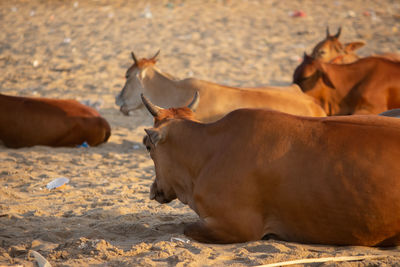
x=338 y=32
x=158 y=52
x=133 y=57
x=327 y=32
x=153 y=109
x=195 y=102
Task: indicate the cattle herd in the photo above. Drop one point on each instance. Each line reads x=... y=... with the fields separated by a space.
x=314 y=162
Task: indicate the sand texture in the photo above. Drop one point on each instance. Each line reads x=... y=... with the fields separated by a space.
x=81 y=50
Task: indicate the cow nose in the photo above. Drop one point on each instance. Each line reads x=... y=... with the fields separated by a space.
x=118 y=100
x=124 y=110
x=160 y=198
x=153 y=189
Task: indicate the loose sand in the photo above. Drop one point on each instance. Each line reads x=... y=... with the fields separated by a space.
x=81 y=50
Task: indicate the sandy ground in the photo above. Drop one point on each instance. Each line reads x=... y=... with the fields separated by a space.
x=81 y=50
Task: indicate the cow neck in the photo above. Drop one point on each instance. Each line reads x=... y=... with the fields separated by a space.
x=185 y=147
x=164 y=89
x=344 y=77
x=322 y=94
x=308 y=83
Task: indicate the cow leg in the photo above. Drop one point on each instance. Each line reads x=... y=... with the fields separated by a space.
x=203 y=233
x=390 y=242
x=218 y=233
x=70 y=138
x=271 y=237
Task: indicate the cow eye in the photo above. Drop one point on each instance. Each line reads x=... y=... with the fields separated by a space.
x=322 y=52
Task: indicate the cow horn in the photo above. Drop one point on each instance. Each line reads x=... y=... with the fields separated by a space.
x=158 y=52
x=338 y=32
x=133 y=57
x=153 y=109
x=327 y=32
x=195 y=102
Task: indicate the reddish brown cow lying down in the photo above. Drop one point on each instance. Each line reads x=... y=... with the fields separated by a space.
x=370 y=85
x=332 y=180
x=26 y=121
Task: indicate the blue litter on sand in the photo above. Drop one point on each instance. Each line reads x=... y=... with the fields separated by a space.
x=84 y=144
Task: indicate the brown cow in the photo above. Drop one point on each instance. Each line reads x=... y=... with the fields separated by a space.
x=217 y=100
x=259 y=173
x=332 y=50
x=368 y=86
x=26 y=122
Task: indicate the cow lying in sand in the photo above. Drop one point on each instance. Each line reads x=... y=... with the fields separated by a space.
x=217 y=100
x=26 y=122
x=256 y=173
x=370 y=85
x=333 y=51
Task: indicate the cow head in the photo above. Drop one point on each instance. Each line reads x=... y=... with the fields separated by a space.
x=332 y=50
x=129 y=97
x=306 y=74
x=309 y=73
x=156 y=142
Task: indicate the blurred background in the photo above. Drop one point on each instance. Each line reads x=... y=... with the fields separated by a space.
x=81 y=49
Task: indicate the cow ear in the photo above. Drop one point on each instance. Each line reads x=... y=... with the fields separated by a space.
x=327 y=80
x=155 y=135
x=350 y=47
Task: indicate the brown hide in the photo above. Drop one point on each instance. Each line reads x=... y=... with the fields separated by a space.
x=26 y=122
x=368 y=86
x=217 y=100
x=333 y=180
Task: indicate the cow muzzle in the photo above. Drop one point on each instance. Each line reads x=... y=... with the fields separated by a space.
x=124 y=110
x=118 y=100
x=127 y=111
x=158 y=195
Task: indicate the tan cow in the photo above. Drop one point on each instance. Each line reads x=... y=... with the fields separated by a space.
x=368 y=86
x=217 y=100
x=26 y=121
x=256 y=173
x=333 y=51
